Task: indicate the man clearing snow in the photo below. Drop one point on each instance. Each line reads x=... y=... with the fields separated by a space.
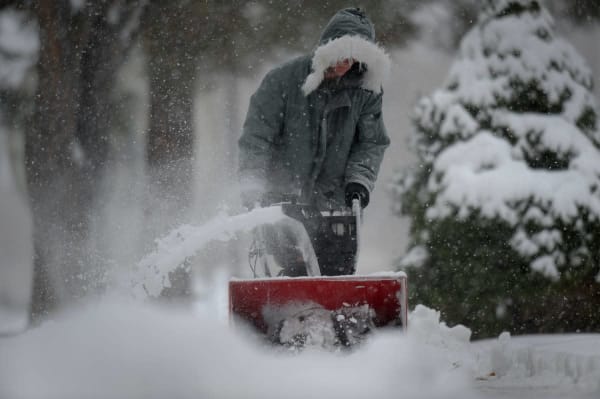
x=314 y=131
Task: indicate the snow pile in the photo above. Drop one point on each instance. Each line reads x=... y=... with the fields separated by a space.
x=116 y=349
x=310 y=326
x=129 y=350
x=299 y=326
x=548 y=365
x=566 y=363
x=451 y=342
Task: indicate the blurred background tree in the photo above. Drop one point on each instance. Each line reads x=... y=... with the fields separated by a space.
x=82 y=46
x=579 y=11
x=73 y=112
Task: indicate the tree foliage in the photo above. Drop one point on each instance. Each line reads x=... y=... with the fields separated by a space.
x=579 y=11
x=504 y=200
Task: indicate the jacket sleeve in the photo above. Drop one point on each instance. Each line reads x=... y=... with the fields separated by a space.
x=370 y=142
x=262 y=126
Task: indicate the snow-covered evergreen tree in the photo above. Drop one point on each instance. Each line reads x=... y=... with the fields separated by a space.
x=505 y=199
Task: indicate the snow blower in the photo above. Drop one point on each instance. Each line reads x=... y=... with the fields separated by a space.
x=304 y=291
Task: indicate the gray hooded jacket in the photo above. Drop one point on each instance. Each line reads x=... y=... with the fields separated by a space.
x=310 y=137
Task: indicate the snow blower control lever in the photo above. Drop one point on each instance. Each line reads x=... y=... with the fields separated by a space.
x=334 y=236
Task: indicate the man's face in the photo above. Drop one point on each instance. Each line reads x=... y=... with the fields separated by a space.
x=339 y=69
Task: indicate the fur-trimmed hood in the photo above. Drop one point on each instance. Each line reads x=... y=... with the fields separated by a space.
x=349 y=34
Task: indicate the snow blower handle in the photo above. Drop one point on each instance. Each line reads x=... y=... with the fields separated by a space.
x=357 y=213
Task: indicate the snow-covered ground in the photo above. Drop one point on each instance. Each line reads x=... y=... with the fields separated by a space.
x=121 y=349
x=124 y=346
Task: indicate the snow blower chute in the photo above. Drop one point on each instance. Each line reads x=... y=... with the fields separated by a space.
x=304 y=291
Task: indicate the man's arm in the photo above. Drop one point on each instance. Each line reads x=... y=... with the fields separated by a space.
x=370 y=143
x=263 y=124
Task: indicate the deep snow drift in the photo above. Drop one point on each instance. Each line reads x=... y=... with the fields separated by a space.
x=121 y=346
x=122 y=349
x=114 y=350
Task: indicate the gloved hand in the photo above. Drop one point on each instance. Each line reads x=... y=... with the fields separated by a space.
x=357 y=190
x=251 y=198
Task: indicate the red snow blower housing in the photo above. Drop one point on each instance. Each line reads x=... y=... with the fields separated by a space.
x=304 y=292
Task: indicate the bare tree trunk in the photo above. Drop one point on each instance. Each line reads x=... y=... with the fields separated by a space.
x=232 y=115
x=170 y=141
x=50 y=149
x=170 y=146
x=68 y=143
x=236 y=253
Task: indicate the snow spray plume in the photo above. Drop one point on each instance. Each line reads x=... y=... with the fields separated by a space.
x=151 y=275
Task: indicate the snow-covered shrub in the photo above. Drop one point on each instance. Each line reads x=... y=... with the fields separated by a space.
x=505 y=198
